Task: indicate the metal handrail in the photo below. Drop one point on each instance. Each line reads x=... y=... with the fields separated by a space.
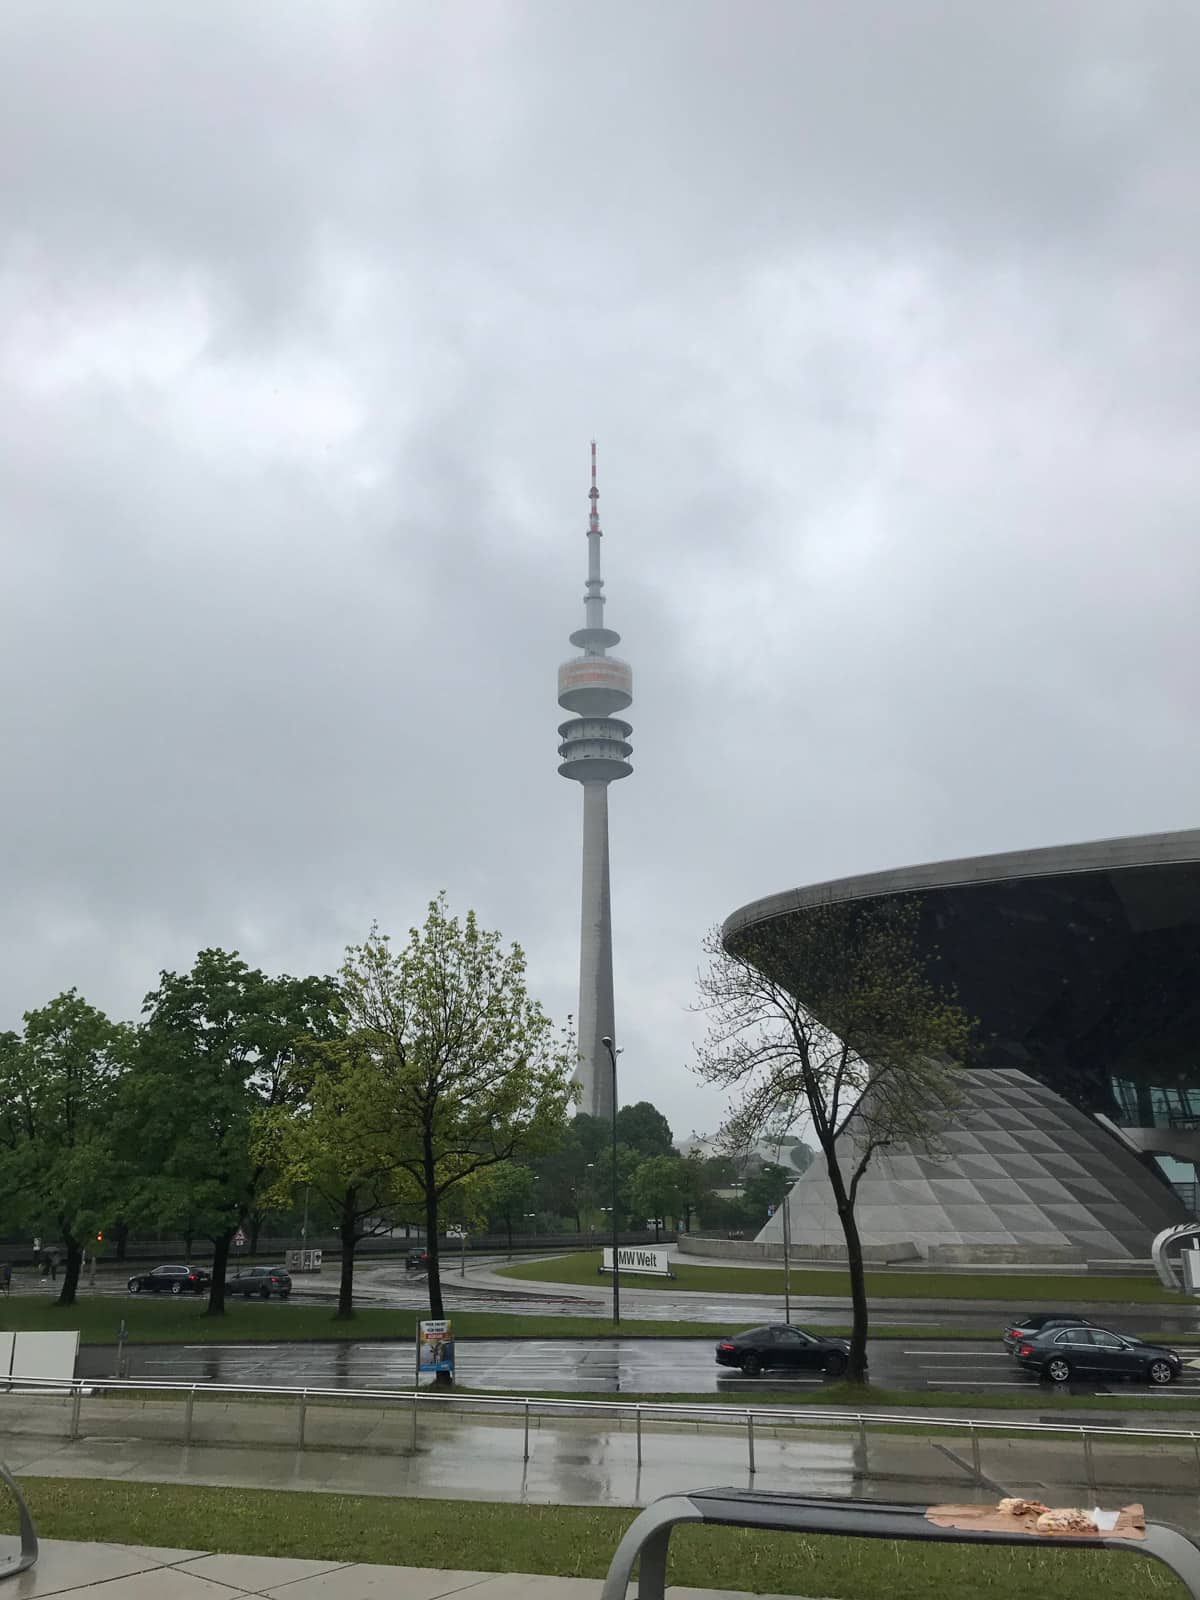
x=725 y=1414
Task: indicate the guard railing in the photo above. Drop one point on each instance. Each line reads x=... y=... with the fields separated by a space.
x=713 y=1417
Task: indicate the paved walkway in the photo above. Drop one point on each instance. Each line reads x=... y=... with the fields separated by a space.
x=141 y=1572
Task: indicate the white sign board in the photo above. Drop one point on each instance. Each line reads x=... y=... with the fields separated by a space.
x=1189 y=1260
x=304 y=1260
x=637 y=1258
x=45 y=1355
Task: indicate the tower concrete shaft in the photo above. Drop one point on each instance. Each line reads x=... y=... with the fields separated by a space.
x=595 y=751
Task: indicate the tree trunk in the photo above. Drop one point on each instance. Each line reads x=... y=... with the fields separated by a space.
x=434 y=1274
x=442 y=1380
x=348 y=1232
x=121 y=1235
x=257 y=1218
x=188 y=1241
x=220 y=1266
x=856 y=1371
x=66 y=1295
x=508 y=1228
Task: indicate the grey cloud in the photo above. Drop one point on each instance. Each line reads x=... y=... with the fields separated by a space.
x=885 y=322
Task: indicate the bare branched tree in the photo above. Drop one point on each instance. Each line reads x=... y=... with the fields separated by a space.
x=834 y=1013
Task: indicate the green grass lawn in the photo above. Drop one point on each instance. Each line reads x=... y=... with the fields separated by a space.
x=565 y=1541
x=168 y=1321
x=1021 y=1289
x=183 y=1322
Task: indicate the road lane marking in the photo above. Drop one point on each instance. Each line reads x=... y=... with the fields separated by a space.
x=963 y=1355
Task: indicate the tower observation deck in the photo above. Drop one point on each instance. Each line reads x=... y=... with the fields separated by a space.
x=595 y=751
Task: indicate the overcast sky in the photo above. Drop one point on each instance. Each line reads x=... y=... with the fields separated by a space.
x=885 y=317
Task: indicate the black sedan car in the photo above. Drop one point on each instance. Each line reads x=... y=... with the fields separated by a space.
x=1021 y=1329
x=416 y=1259
x=786 y=1348
x=1059 y=1353
x=261 y=1282
x=170 y=1280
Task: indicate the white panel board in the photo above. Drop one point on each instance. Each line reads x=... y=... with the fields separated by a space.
x=635 y=1258
x=45 y=1355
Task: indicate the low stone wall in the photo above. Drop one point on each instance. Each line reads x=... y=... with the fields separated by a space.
x=752 y=1250
x=1017 y=1255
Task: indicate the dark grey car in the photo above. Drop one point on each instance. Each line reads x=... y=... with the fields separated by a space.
x=261 y=1282
x=1060 y=1353
x=779 y=1346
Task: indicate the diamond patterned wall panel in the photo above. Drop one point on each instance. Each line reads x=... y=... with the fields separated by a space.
x=1023 y=1170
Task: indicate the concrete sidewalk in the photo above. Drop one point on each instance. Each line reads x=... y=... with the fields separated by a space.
x=141 y=1572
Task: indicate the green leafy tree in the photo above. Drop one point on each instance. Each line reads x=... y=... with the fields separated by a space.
x=869 y=1053
x=566 y=1174
x=657 y=1188
x=765 y=1189
x=473 y=1071
x=801 y=1156
x=509 y=1193
x=695 y=1186
x=644 y=1129
x=58 y=1086
x=326 y=1131
x=213 y=1055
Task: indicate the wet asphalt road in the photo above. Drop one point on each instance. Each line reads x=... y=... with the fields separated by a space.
x=659 y=1366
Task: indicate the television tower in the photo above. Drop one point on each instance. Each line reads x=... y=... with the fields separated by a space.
x=595 y=750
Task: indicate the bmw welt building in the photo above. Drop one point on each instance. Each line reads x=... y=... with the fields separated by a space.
x=1078 y=1135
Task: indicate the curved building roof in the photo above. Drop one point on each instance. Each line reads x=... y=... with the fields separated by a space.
x=1100 y=855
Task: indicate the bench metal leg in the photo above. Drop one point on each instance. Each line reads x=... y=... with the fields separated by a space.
x=1175 y=1550
x=11 y=1565
x=648 y=1537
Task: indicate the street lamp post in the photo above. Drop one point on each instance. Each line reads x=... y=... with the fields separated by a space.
x=613 y=1053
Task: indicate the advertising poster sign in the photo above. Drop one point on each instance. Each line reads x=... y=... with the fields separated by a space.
x=435 y=1347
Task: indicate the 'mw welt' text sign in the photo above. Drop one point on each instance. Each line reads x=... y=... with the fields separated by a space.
x=633 y=1258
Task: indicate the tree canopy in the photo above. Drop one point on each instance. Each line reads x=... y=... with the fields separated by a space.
x=212 y=1055
x=869 y=1053
x=468 y=1066
x=59 y=1081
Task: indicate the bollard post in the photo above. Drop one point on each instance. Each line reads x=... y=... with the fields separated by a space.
x=1087 y=1458
x=862 y=1440
x=75 y=1404
x=187 y=1415
x=122 y=1333
x=975 y=1462
x=413 y=1441
x=750 y=1439
x=527 y=1430
x=301 y=1418
x=637 y=1412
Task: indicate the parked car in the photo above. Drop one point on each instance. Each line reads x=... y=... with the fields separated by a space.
x=780 y=1346
x=1022 y=1329
x=417 y=1258
x=1059 y=1353
x=170 y=1280
x=260 y=1281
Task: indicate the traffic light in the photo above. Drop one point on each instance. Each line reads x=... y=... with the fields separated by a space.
x=100 y=1238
